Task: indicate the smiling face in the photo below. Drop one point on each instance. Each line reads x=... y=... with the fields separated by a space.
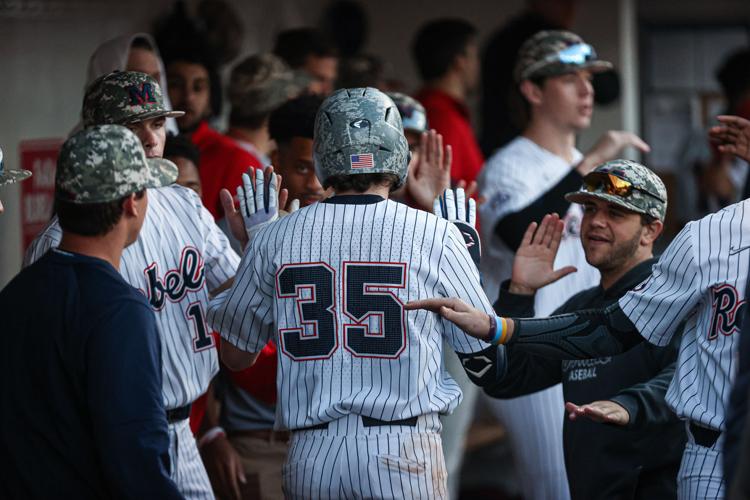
x=613 y=237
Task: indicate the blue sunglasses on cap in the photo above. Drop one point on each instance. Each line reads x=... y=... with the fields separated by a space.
x=576 y=54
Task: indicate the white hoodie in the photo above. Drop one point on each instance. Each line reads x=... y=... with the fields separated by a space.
x=113 y=55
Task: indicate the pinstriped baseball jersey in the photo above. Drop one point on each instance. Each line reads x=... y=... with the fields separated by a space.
x=512 y=179
x=178 y=257
x=702 y=277
x=329 y=283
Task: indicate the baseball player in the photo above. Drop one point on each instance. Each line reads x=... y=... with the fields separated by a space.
x=701 y=279
x=10 y=176
x=360 y=383
x=179 y=257
x=521 y=182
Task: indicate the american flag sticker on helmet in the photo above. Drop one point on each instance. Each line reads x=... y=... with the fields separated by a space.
x=363 y=160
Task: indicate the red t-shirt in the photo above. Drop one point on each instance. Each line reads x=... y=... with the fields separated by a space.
x=223 y=162
x=451 y=119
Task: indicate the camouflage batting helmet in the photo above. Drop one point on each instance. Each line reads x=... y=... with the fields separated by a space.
x=124 y=97
x=359 y=131
x=105 y=163
x=11 y=176
x=413 y=114
x=554 y=52
x=627 y=184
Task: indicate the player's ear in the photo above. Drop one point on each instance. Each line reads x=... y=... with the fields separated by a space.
x=651 y=231
x=531 y=91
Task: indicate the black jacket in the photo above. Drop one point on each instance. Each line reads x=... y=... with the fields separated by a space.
x=606 y=461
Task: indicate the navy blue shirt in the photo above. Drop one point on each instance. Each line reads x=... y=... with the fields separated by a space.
x=81 y=411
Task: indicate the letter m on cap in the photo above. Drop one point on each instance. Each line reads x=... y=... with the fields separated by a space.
x=142 y=95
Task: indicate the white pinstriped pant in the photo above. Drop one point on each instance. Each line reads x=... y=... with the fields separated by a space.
x=348 y=460
x=534 y=424
x=701 y=475
x=185 y=464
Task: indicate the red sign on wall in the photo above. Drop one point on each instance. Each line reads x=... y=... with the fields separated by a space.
x=37 y=193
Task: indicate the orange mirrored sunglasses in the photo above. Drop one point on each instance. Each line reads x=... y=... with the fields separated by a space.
x=611 y=184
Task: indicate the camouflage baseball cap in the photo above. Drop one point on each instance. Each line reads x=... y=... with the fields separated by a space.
x=413 y=114
x=627 y=184
x=105 y=163
x=555 y=52
x=262 y=83
x=359 y=131
x=123 y=97
x=8 y=176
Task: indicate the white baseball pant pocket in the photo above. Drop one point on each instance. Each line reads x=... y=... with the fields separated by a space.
x=701 y=475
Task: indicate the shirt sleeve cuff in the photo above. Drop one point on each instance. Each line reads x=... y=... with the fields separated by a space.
x=630 y=404
x=512 y=304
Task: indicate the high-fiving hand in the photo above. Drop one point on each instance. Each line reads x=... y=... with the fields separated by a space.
x=452 y=205
x=430 y=174
x=260 y=196
x=533 y=266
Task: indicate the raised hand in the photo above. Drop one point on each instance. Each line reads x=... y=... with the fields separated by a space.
x=603 y=412
x=533 y=266
x=732 y=136
x=431 y=174
x=260 y=196
x=452 y=206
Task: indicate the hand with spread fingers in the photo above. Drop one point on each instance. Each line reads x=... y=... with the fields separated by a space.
x=732 y=136
x=260 y=196
x=452 y=205
x=603 y=412
x=533 y=265
x=431 y=174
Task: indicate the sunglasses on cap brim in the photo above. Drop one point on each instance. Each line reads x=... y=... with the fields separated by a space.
x=611 y=184
x=577 y=55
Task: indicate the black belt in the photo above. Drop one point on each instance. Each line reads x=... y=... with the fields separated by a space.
x=369 y=422
x=177 y=414
x=703 y=436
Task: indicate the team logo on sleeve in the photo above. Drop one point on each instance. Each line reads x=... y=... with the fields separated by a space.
x=726 y=311
x=189 y=277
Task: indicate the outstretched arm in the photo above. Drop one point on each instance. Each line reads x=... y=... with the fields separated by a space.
x=580 y=335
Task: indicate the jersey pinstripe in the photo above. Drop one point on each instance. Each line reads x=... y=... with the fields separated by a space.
x=178 y=257
x=701 y=277
x=511 y=180
x=328 y=283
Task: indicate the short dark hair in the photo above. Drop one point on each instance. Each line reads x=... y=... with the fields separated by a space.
x=180 y=145
x=295 y=45
x=295 y=118
x=438 y=43
x=360 y=182
x=91 y=219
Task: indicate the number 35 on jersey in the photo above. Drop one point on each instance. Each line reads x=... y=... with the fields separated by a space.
x=355 y=307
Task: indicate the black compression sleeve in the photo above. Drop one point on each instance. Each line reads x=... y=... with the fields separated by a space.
x=581 y=335
x=512 y=227
x=485 y=367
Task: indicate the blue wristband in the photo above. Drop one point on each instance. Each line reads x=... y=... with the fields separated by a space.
x=498 y=327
